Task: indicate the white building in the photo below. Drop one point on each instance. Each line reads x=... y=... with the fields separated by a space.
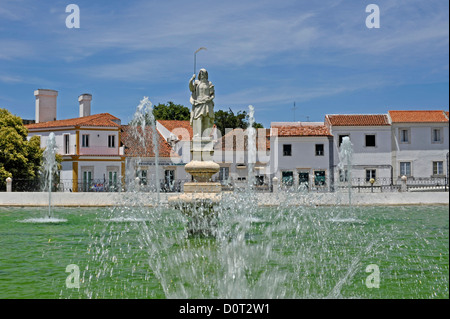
x=370 y=135
x=420 y=144
x=302 y=154
x=231 y=152
x=165 y=171
x=100 y=154
x=90 y=144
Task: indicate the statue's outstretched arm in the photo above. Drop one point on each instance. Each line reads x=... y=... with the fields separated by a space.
x=212 y=92
x=191 y=83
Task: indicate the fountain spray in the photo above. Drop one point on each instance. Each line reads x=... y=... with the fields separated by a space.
x=143 y=113
x=251 y=146
x=345 y=159
x=50 y=167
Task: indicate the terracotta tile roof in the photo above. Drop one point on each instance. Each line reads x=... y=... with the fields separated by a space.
x=237 y=140
x=102 y=119
x=357 y=119
x=133 y=147
x=174 y=125
x=300 y=129
x=418 y=116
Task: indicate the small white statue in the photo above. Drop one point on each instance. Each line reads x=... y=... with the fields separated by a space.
x=202 y=113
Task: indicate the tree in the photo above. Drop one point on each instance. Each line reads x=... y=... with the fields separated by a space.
x=171 y=111
x=168 y=111
x=223 y=119
x=228 y=120
x=19 y=158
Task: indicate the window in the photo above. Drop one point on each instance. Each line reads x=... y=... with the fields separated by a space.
x=370 y=140
x=371 y=173
x=405 y=168
x=111 y=141
x=287 y=150
x=303 y=178
x=343 y=175
x=85 y=140
x=319 y=178
x=259 y=180
x=224 y=173
x=319 y=150
x=404 y=136
x=142 y=174
x=87 y=180
x=287 y=178
x=341 y=138
x=438 y=168
x=436 y=135
x=66 y=144
x=169 y=175
x=112 y=176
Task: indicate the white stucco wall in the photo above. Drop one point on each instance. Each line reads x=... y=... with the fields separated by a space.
x=98 y=142
x=420 y=150
x=376 y=158
x=59 y=140
x=303 y=158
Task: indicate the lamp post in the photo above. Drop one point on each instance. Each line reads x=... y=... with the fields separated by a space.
x=195 y=58
x=446 y=182
x=372 y=181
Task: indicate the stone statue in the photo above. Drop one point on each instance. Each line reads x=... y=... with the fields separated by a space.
x=202 y=113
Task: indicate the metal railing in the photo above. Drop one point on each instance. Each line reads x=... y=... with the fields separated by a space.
x=359 y=185
x=428 y=184
x=387 y=184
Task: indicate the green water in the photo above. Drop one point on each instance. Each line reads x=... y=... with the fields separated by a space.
x=316 y=254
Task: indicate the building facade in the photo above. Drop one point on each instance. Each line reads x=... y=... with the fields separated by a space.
x=233 y=153
x=92 y=159
x=302 y=154
x=163 y=169
x=420 y=144
x=101 y=154
x=370 y=136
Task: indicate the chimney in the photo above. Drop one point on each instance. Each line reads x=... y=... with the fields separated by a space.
x=45 y=105
x=85 y=104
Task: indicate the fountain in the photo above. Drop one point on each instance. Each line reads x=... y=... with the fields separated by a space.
x=251 y=132
x=50 y=167
x=201 y=195
x=141 y=119
x=211 y=244
x=239 y=247
x=345 y=165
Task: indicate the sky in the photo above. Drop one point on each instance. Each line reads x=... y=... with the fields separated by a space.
x=271 y=54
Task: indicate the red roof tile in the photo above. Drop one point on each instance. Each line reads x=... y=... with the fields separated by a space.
x=102 y=119
x=178 y=127
x=133 y=146
x=418 y=116
x=357 y=119
x=300 y=129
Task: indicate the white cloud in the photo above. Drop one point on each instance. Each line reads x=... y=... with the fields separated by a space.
x=10 y=78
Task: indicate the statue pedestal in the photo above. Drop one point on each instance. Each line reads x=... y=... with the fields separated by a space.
x=199 y=207
x=199 y=197
x=202 y=170
x=201 y=190
x=202 y=149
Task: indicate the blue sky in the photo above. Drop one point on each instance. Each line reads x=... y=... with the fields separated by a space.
x=267 y=53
